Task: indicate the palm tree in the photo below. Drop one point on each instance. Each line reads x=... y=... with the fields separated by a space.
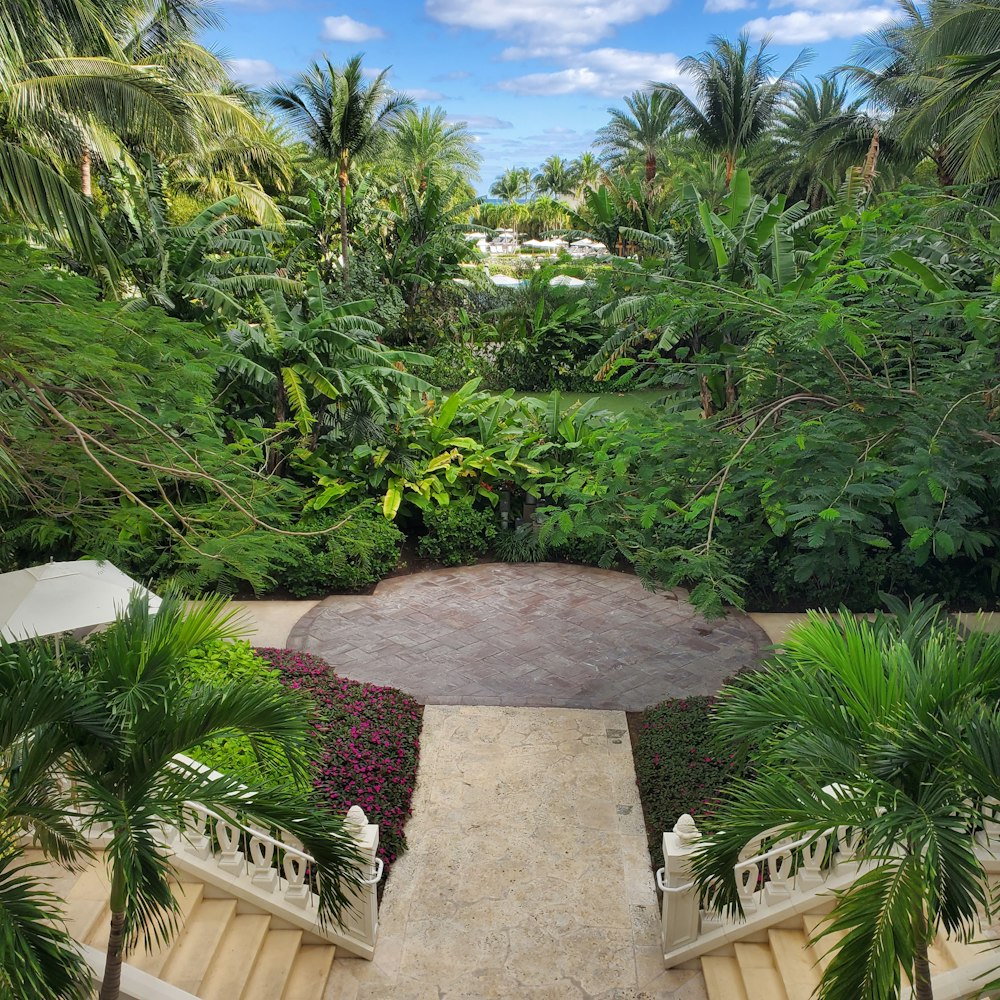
x=203 y=269
x=512 y=185
x=738 y=94
x=887 y=728
x=937 y=72
x=427 y=147
x=555 y=177
x=92 y=84
x=120 y=761
x=819 y=133
x=310 y=359
x=37 y=956
x=648 y=120
x=344 y=119
x=586 y=170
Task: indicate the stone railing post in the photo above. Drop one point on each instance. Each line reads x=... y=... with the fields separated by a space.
x=361 y=919
x=681 y=915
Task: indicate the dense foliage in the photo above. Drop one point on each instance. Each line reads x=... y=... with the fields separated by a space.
x=250 y=384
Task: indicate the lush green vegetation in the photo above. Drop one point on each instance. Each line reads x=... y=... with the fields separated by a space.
x=226 y=342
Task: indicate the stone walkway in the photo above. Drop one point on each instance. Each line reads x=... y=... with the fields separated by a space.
x=527 y=873
x=545 y=634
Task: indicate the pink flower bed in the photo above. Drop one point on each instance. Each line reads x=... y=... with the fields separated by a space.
x=370 y=743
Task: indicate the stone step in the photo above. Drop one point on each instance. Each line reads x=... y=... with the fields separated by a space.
x=723 y=979
x=824 y=949
x=194 y=950
x=309 y=972
x=88 y=913
x=188 y=895
x=795 y=962
x=761 y=979
x=274 y=965
x=235 y=957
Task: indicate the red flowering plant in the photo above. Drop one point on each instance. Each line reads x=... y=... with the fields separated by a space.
x=369 y=743
x=678 y=767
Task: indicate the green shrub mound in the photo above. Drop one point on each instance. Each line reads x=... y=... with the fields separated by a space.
x=364 y=549
x=457 y=534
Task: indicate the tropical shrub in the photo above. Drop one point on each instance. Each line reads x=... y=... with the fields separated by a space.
x=457 y=534
x=355 y=547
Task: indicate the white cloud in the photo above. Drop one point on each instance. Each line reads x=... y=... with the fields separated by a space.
x=605 y=72
x=480 y=122
x=561 y=22
x=725 y=6
x=800 y=26
x=346 y=29
x=423 y=94
x=254 y=72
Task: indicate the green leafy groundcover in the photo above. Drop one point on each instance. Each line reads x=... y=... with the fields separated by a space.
x=677 y=765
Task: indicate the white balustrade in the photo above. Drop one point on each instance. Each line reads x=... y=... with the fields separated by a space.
x=771 y=873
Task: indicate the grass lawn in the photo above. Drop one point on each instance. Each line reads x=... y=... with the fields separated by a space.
x=612 y=402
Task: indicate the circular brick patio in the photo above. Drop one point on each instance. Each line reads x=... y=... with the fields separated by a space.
x=546 y=634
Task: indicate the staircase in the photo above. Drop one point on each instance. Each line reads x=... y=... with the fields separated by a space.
x=224 y=948
x=786 y=888
x=780 y=964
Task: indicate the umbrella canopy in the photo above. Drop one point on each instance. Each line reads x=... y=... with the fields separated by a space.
x=567 y=281
x=505 y=280
x=64 y=596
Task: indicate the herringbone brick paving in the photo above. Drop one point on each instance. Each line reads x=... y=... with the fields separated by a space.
x=536 y=635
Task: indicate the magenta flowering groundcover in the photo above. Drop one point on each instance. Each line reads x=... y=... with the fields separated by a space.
x=370 y=743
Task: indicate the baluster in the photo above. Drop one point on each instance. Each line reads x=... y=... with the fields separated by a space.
x=295 y=868
x=264 y=874
x=811 y=873
x=230 y=837
x=748 y=879
x=781 y=871
x=193 y=836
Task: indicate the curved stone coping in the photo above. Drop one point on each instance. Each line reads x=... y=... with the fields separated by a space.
x=531 y=635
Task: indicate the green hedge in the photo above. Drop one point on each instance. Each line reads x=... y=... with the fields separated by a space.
x=457 y=534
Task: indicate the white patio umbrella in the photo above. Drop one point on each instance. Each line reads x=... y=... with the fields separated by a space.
x=567 y=281
x=504 y=280
x=63 y=597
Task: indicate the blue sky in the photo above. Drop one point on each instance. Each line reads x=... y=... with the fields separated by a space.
x=531 y=77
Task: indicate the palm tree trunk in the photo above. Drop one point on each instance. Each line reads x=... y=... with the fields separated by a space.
x=112 y=981
x=344 y=246
x=650 y=167
x=86 y=185
x=730 y=168
x=707 y=409
x=922 y=989
x=274 y=460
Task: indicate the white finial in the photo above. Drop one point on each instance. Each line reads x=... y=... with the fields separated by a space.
x=685 y=829
x=356 y=817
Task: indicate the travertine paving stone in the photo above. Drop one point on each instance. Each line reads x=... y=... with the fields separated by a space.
x=527 y=873
x=546 y=634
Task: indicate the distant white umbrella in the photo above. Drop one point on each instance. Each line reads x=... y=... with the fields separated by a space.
x=63 y=597
x=567 y=281
x=504 y=280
